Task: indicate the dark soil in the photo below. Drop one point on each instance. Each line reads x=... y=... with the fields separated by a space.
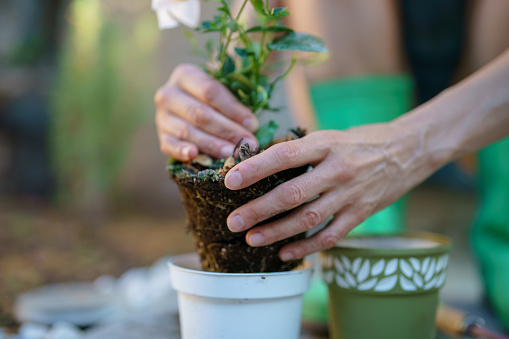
x=208 y=203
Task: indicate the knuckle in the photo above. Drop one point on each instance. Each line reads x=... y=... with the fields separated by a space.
x=198 y=115
x=310 y=219
x=160 y=98
x=363 y=213
x=251 y=215
x=292 y=195
x=210 y=90
x=346 y=172
x=329 y=240
x=286 y=152
x=182 y=69
x=183 y=132
x=231 y=135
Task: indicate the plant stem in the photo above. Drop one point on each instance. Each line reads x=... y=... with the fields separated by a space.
x=229 y=37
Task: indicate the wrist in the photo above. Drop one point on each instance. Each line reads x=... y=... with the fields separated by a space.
x=421 y=143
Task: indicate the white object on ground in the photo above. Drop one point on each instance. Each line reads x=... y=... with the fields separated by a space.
x=145 y=290
x=64 y=330
x=32 y=330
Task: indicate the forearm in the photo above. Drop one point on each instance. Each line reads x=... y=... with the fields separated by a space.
x=467 y=117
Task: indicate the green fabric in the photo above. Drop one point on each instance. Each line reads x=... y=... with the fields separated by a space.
x=490 y=235
x=345 y=103
x=348 y=102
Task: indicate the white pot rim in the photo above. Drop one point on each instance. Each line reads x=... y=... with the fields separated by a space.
x=188 y=277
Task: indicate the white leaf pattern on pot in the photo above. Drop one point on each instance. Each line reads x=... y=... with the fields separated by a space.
x=416 y=264
x=378 y=267
x=346 y=262
x=440 y=262
x=406 y=268
x=418 y=280
x=441 y=280
x=406 y=284
x=358 y=273
x=446 y=261
x=339 y=266
x=431 y=271
x=386 y=284
x=391 y=267
x=367 y=285
x=341 y=282
x=356 y=265
x=350 y=279
x=431 y=284
x=328 y=277
x=425 y=265
x=364 y=272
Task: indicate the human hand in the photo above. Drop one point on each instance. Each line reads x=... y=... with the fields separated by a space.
x=355 y=173
x=195 y=113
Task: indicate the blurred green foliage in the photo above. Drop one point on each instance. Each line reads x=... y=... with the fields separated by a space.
x=100 y=96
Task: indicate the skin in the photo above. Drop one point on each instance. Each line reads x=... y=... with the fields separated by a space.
x=355 y=172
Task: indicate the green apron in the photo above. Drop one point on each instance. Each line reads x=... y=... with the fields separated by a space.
x=490 y=234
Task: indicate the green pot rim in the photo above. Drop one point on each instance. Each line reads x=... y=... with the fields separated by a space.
x=445 y=244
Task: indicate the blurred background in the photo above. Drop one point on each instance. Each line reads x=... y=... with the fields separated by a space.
x=83 y=188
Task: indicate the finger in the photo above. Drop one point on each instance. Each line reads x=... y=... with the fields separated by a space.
x=173 y=147
x=290 y=154
x=304 y=219
x=284 y=197
x=327 y=238
x=206 y=118
x=184 y=131
x=203 y=87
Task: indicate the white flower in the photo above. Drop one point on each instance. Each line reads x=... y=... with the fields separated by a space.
x=172 y=12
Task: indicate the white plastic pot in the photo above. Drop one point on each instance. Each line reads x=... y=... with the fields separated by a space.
x=238 y=305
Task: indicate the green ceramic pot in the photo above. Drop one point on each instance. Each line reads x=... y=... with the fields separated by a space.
x=385 y=287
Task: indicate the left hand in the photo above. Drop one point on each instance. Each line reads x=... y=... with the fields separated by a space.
x=355 y=173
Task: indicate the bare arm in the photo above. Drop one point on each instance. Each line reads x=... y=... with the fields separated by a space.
x=362 y=170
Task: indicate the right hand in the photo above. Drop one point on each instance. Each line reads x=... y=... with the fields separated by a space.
x=197 y=114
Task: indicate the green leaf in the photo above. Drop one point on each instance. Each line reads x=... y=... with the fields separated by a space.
x=276 y=13
x=228 y=66
x=258 y=5
x=256 y=49
x=298 y=42
x=241 y=52
x=276 y=28
x=224 y=9
x=233 y=26
x=240 y=78
x=209 y=46
x=265 y=133
x=262 y=96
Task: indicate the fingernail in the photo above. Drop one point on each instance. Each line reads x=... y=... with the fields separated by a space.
x=256 y=239
x=236 y=223
x=226 y=151
x=251 y=124
x=233 y=180
x=185 y=152
x=287 y=256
